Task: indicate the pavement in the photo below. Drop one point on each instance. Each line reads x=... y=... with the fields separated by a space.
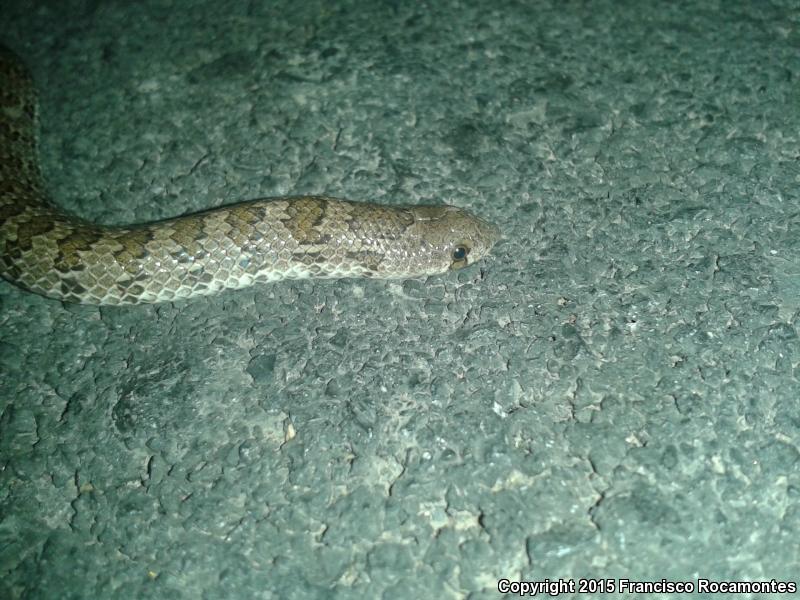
x=610 y=397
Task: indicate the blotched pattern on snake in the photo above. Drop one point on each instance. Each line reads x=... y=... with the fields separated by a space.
x=45 y=250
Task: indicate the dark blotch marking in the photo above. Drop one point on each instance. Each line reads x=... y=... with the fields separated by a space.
x=304 y=217
x=133 y=249
x=32 y=227
x=78 y=240
x=371 y=261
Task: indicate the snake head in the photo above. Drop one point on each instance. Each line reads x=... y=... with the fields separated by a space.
x=451 y=238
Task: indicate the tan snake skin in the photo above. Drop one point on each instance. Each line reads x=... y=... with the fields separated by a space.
x=47 y=251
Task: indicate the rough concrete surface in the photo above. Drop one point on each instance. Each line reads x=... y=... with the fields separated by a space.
x=612 y=394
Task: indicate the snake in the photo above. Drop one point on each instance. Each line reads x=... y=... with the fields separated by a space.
x=48 y=251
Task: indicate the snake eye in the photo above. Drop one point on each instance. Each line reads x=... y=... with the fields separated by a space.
x=460 y=253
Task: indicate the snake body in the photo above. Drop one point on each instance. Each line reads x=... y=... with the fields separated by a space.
x=47 y=251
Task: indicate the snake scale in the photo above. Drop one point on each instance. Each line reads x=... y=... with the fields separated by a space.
x=47 y=251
